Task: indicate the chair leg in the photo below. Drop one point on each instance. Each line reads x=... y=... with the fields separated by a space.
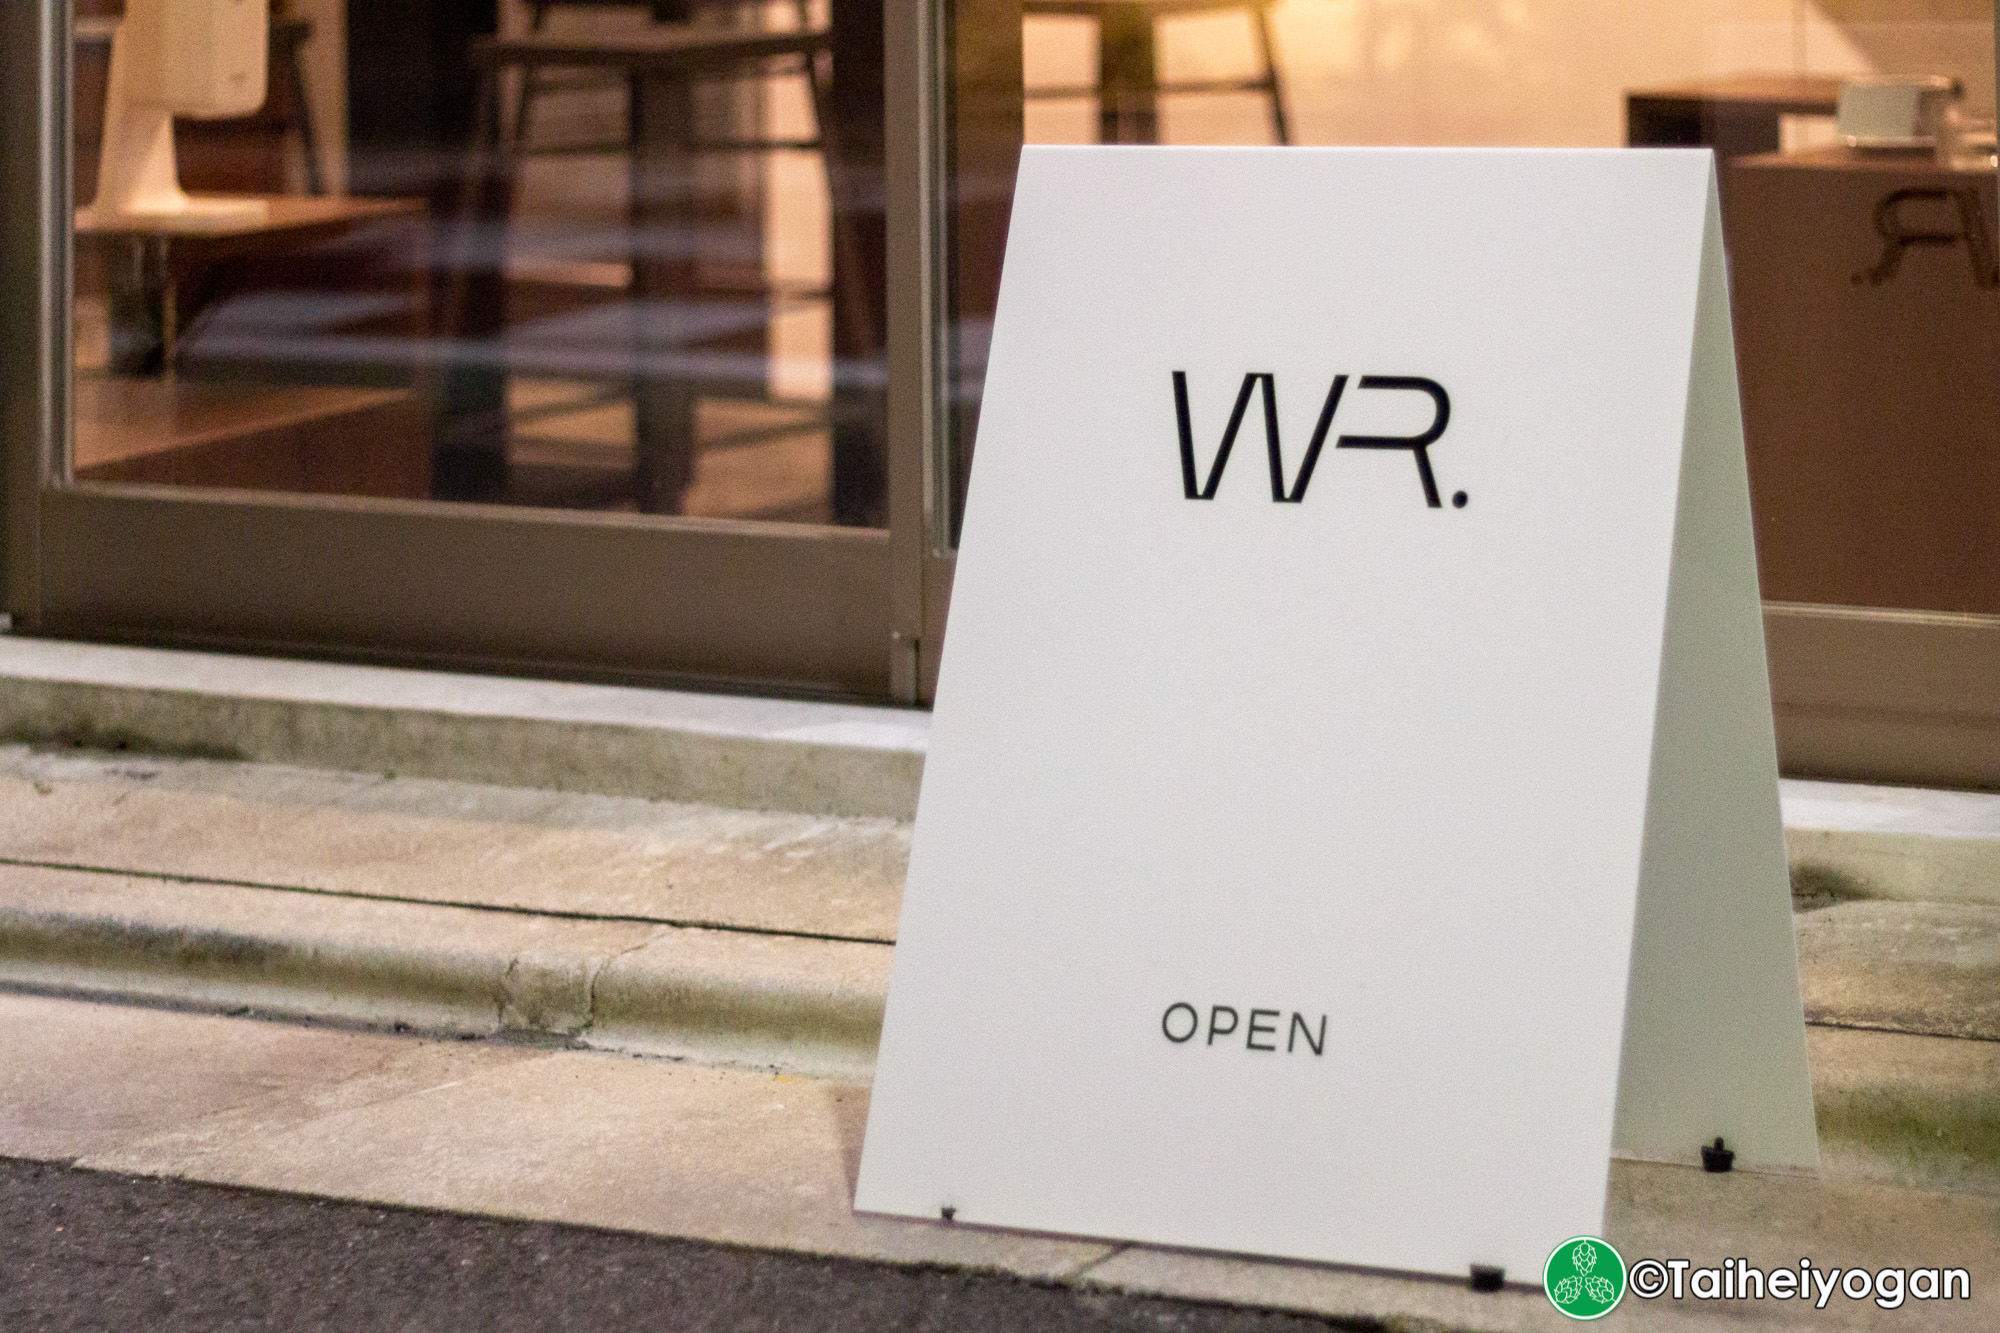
x=296 y=77
x=1261 y=17
x=468 y=404
x=1127 y=75
x=666 y=394
x=524 y=108
x=538 y=14
x=850 y=303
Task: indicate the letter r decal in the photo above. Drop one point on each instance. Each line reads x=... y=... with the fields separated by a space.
x=1416 y=444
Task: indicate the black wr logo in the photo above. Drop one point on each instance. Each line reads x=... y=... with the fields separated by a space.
x=1943 y=217
x=1418 y=445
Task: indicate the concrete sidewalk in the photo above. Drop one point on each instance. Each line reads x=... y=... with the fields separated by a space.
x=556 y=922
x=726 y=935
x=768 y=1160
x=1879 y=842
x=754 y=938
x=546 y=735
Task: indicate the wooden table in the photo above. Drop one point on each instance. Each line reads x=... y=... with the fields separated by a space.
x=1735 y=114
x=299 y=438
x=1866 y=293
x=157 y=264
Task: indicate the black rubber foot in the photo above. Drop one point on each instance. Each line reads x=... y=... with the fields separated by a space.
x=1488 y=1277
x=1715 y=1157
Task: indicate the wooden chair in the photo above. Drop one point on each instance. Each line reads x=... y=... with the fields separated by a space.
x=207 y=144
x=660 y=65
x=538 y=81
x=1128 y=87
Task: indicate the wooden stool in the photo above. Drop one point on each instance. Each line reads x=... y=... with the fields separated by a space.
x=537 y=80
x=1128 y=87
x=661 y=65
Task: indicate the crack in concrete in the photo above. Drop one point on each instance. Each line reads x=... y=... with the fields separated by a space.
x=590 y=992
x=173 y=877
x=1898 y=1031
x=1090 y=1266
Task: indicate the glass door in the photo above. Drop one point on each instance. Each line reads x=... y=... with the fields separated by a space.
x=1856 y=152
x=544 y=336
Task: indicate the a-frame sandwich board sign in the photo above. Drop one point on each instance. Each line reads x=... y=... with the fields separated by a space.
x=1351 y=811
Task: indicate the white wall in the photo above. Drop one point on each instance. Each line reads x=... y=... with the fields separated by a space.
x=1509 y=71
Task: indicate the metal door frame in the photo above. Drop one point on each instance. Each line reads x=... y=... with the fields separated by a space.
x=585 y=595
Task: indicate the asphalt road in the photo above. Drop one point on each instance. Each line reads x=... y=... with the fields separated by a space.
x=87 y=1250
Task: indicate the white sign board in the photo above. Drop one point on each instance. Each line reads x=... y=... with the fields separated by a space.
x=1303 y=829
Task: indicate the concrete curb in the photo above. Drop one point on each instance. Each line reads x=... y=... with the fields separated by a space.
x=812 y=758
x=1905 y=867
x=1850 y=840
x=803 y=1005
x=1905 y=1109
x=748 y=753
x=1931 y=968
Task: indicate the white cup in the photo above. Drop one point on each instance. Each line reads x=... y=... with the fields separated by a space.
x=1894 y=111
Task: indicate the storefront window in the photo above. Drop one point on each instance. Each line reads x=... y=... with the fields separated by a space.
x=563 y=254
x=1862 y=233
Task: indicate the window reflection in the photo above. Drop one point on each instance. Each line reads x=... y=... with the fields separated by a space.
x=1866 y=288
x=585 y=255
